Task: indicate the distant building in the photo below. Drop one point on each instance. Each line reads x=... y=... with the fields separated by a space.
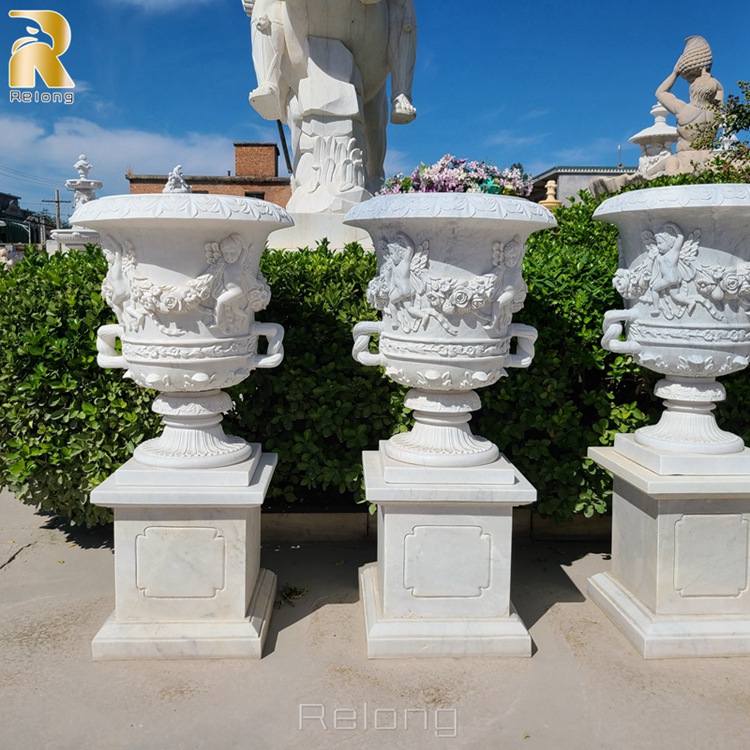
x=19 y=226
x=572 y=179
x=256 y=175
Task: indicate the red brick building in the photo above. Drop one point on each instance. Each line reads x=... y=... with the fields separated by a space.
x=256 y=175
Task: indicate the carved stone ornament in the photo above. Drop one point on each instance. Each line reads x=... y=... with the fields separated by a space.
x=184 y=283
x=448 y=283
x=685 y=278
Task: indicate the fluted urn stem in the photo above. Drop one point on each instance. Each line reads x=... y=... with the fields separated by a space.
x=441 y=435
x=688 y=423
x=193 y=436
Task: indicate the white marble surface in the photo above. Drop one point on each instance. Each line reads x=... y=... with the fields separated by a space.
x=225 y=639
x=441 y=583
x=680 y=578
x=666 y=487
x=309 y=229
x=401 y=637
x=662 y=461
x=188 y=582
x=113 y=495
x=500 y=471
x=449 y=281
x=669 y=636
x=135 y=474
x=520 y=492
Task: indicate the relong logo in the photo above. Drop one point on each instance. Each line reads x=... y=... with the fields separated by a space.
x=31 y=55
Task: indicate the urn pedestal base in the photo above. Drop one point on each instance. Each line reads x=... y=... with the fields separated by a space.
x=441 y=583
x=680 y=579
x=188 y=581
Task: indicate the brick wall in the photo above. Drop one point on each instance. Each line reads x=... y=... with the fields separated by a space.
x=256 y=159
x=256 y=166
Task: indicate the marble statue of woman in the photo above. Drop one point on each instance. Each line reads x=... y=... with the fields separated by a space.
x=705 y=92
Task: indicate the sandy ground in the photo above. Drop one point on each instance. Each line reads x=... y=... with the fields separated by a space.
x=584 y=687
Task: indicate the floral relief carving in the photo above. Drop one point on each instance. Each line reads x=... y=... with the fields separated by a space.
x=674 y=283
x=224 y=294
x=411 y=296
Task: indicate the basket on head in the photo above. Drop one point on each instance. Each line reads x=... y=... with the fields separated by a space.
x=697 y=55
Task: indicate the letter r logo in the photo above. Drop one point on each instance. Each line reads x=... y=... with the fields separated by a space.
x=30 y=55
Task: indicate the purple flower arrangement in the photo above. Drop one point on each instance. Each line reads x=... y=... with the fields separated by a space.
x=453 y=175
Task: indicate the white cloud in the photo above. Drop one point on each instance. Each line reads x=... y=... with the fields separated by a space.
x=161 y=6
x=33 y=148
x=534 y=114
x=601 y=151
x=509 y=139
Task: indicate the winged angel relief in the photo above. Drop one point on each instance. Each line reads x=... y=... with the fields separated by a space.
x=411 y=297
x=221 y=295
x=673 y=281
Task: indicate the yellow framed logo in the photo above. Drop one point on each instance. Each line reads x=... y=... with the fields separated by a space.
x=34 y=60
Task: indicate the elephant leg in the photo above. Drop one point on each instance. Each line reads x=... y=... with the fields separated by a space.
x=375 y=117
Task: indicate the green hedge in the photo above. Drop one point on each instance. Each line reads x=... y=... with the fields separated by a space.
x=65 y=424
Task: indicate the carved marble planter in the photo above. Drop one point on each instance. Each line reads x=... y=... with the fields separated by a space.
x=685 y=278
x=678 y=585
x=448 y=284
x=184 y=283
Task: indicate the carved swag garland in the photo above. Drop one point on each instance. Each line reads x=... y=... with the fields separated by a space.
x=673 y=281
x=222 y=293
x=405 y=290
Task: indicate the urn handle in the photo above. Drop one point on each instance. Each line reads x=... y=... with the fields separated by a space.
x=107 y=355
x=274 y=334
x=526 y=336
x=362 y=334
x=613 y=329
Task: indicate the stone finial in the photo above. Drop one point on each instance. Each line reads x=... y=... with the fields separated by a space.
x=176 y=182
x=551 y=201
x=83 y=167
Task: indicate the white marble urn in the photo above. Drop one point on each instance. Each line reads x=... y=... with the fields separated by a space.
x=185 y=285
x=449 y=280
x=685 y=279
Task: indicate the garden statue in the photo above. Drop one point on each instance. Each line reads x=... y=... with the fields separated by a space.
x=322 y=67
x=83 y=167
x=694 y=65
x=176 y=182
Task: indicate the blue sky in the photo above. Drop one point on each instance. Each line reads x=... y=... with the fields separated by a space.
x=161 y=82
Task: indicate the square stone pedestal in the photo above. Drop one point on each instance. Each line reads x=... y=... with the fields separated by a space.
x=188 y=581
x=441 y=583
x=680 y=580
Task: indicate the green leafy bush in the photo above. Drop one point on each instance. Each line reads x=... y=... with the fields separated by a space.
x=65 y=423
x=319 y=409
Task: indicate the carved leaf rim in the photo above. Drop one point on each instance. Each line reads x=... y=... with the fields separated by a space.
x=449 y=206
x=181 y=206
x=724 y=195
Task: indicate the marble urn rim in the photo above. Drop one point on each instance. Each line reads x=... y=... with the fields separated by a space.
x=182 y=206
x=670 y=197
x=479 y=207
